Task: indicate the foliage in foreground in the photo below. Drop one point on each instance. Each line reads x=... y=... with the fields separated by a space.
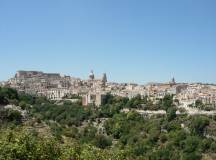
x=23 y=145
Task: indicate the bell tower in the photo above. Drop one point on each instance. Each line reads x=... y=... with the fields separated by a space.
x=91 y=75
x=104 y=80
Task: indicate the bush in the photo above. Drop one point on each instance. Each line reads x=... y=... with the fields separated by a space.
x=213 y=147
x=102 y=141
x=198 y=125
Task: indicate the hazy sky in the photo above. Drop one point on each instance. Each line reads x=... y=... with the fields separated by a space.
x=131 y=40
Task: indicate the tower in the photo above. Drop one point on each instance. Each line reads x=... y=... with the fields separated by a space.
x=104 y=80
x=91 y=75
x=173 y=82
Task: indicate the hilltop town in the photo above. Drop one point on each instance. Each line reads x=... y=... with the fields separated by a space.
x=56 y=87
x=49 y=116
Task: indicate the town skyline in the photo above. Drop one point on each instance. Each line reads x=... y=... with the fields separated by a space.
x=132 y=42
x=55 y=86
x=118 y=74
x=100 y=76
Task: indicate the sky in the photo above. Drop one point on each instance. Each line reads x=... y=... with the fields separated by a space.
x=135 y=41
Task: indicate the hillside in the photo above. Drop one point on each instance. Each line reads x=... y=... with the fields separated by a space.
x=37 y=128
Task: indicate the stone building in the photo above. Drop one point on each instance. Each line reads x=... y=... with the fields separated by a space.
x=96 y=99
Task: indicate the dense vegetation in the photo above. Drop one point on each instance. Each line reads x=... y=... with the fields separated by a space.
x=70 y=131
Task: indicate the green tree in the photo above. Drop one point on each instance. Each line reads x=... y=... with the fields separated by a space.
x=198 y=125
x=171 y=113
x=167 y=102
x=102 y=141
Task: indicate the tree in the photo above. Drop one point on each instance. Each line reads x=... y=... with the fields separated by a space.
x=171 y=113
x=198 y=103
x=13 y=115
x=3 y=100
x=162 y=154
x=9 y=115
x=133 y=116
x=191 y=156
x=206 y=144
x=102 y=141
x=198 y=125
x=213 y=147
x=23 y=105
x=108 y=99
x=28 y=99
x=191 y=144
x=167 y=102
x=9 y=93
x=23 y=145
x=191 y=149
